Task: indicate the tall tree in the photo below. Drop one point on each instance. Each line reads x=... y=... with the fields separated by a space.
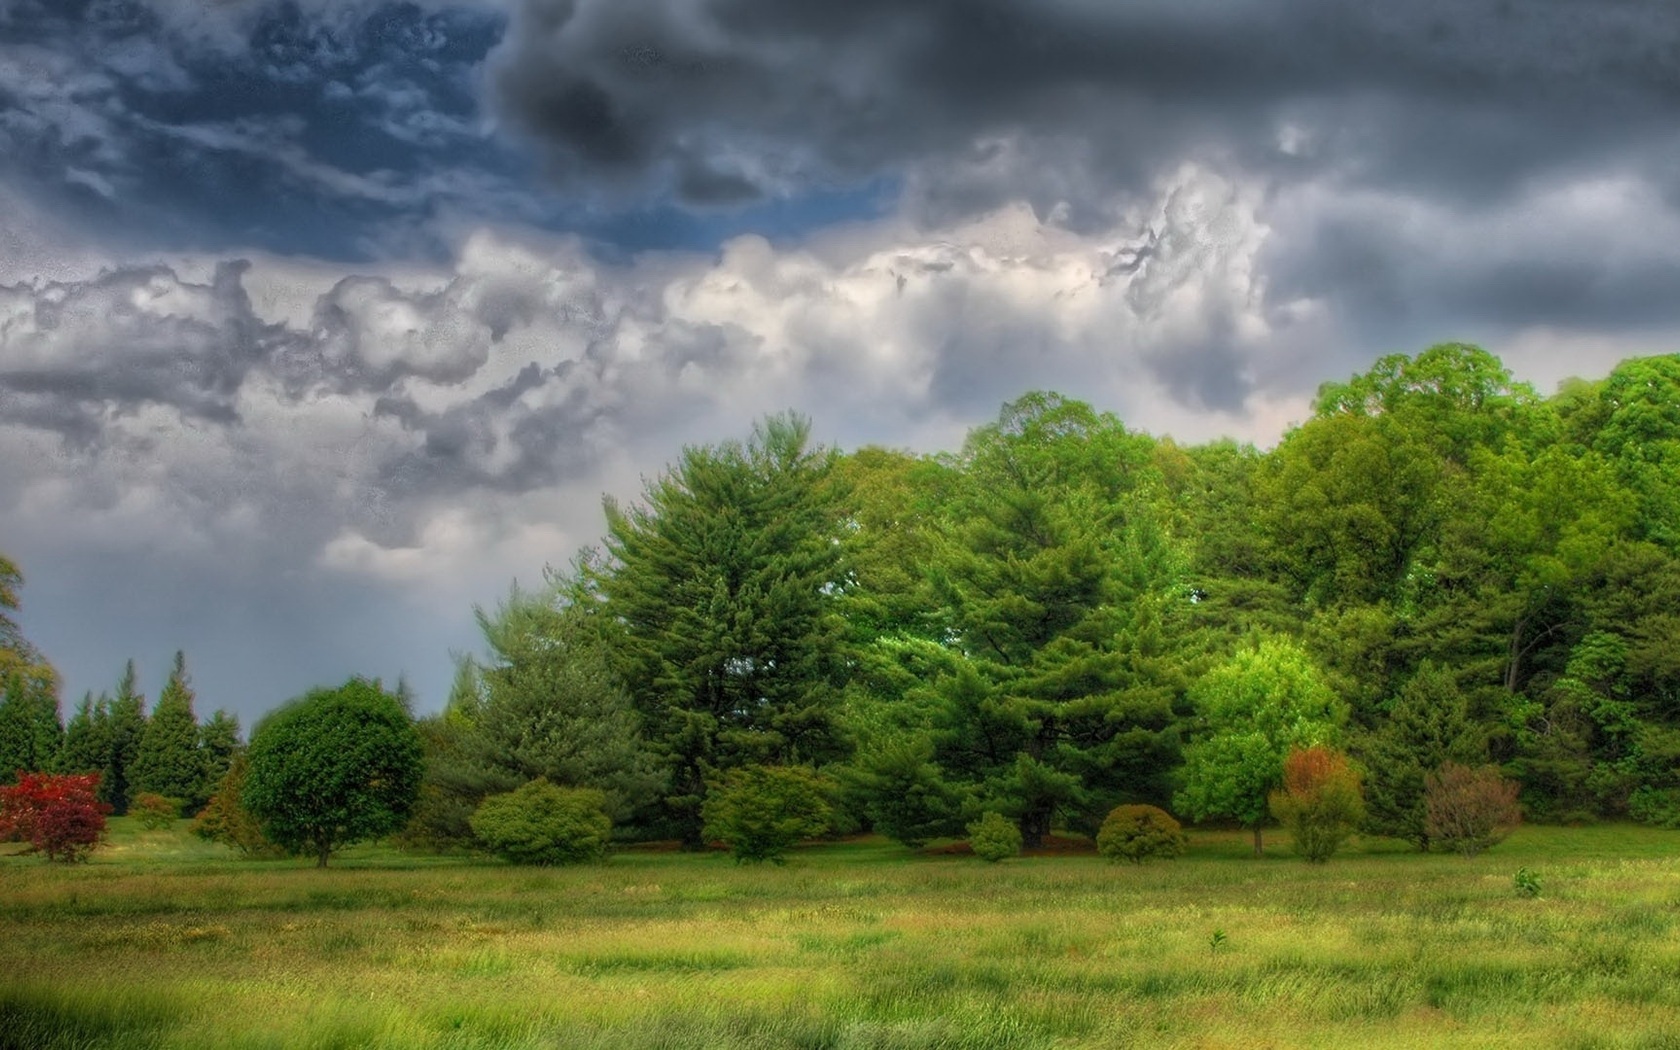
x=218 y=743
x=168 y=760
x=1428 y=724
x=1059 y=584
x=720 y=593
x=87 y=737
x=31 y=727
x=127 y=726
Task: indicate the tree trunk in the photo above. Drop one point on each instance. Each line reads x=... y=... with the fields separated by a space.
x=323 y=849
x=1034 y=826
x=1259 y=850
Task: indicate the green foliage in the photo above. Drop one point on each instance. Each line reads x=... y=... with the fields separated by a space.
x=167 y=760
x=154 y=811
x=761 y=812
x=723 y=588
x=126 y=725
x=994 y=837
x=1265 y=700
x=1428 y=724
x=219 y=743
x=903 y=793
x=1527 y=883
x=225 y=819
x=541 y=823
x=31 y=735
x=333 y=767
x=1139 y=833
x=1320 y=803
x=1469 y=810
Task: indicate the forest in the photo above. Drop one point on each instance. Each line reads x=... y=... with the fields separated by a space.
x=1439 y=565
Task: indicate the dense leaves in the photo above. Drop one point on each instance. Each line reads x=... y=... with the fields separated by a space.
x=542 y=823
x=59 y=815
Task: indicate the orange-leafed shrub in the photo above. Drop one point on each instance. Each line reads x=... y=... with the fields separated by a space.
x=1321 y=802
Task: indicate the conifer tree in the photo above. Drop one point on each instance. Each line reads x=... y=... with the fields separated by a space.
x=168 y=759
x=721 y=593
x=30 y=731
x=127 y=723
x=87 y=737
x=218 y=743
x=1428 y=724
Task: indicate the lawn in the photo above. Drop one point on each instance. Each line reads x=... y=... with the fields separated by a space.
x=163 y=941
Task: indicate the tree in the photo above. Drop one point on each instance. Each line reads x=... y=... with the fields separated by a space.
x=1059 y=587
x=58 y=815
x=720 y=596
x=87 y=737
x=1320 y=801
x=761 y=812
x=31 y=728
x=1469 y=809
x=1140 y=833
x=542 y=823
x=167 y=761
x=218 y=744
x=1428 y=724
x=1253 y=709
x=127 y=725
x=333 y=767
x=225 y=819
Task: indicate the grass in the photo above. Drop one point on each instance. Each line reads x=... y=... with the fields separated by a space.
x=163 y=941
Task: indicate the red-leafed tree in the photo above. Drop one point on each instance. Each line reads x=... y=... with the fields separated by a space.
x=59 y=815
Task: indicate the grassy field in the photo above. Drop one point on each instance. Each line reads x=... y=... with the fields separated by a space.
x=163 y=941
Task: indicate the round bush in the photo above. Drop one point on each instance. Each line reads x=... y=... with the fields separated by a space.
x=1140 y=833
x=761 y=812
x=154 y=811
x=544 y=824
x=994 y=837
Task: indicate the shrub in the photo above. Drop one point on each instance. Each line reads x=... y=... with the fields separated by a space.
x=225 y=819
x=153 y=810
x=1526 y=882
x=58 y=815
x=542 y=823
x=1469 y=809
x=1320 y=802
x=994 y=837
x=1140 y=833
x=761 y=812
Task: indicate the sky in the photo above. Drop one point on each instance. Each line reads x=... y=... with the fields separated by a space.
x=322 y=321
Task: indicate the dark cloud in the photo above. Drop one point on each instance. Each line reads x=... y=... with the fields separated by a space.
x=1467 y=96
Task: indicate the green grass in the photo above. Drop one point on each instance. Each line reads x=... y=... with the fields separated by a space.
x=163 y=941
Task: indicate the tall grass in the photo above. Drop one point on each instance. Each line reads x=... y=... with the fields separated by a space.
x=164 y=942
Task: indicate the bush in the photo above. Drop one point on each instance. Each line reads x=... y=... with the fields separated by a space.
x=542 y=823
x=1140 y=833
x=153 y=810
x=58 y=815
x=225 y=819
x=1469 y=809
x=994 y=837
x=761 y=812
x=1320 y=802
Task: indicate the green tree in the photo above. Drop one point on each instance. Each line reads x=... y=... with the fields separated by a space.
x=333 y=767
x=761 y=812
x=218 y=743
x=542 y=823
x=1268 y=699
x=720 y=595
x=87 y=737
x=31 y=727
x=1060 y=589
x=127 y=726
x=167 y=761
x=1427 y=724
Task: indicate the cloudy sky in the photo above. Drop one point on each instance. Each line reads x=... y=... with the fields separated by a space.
x=321 y=320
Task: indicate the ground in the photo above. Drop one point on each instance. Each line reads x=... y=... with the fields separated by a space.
x=163 y=941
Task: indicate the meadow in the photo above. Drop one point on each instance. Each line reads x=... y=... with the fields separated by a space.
x=164 y=941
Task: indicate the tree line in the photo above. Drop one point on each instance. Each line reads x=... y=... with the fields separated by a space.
x=1440 y=574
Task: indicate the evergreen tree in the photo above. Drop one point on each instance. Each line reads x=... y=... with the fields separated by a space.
x=127 y=722
x=1428 y=724
x=168 y=760
x=721 y=595
x=31 y=733
x=87 y=737
x=218 y=744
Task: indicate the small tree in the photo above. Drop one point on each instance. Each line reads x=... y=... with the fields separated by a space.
x=154 y=811
x=542 y=823
x=167 y=760
x=58 y=815
x=225 y=819
x=761 y=812
x=994 y=837
x=1320 y=802
x=334 y=767
x=1140 y=833
x=1469 y=809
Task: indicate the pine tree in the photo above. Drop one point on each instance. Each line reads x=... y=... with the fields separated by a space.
x=168 y=760
x=218 y=744
x=722 y=594
x=127 y=723
x=1427 y=725
x=31 y=733
x=87 y=737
